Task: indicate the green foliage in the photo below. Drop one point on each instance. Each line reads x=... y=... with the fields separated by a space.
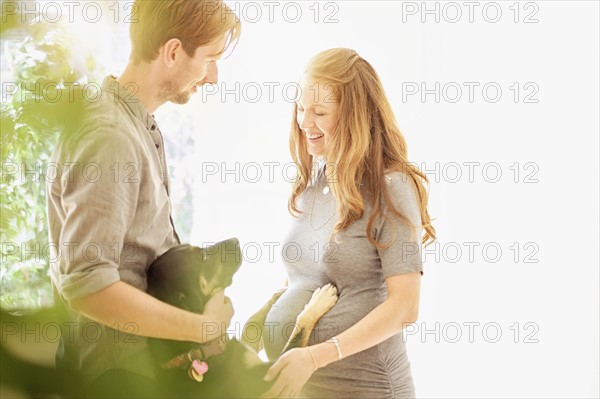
x=48 y=69
x=39 y=105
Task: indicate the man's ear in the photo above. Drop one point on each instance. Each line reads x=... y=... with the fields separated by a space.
x=172 y=49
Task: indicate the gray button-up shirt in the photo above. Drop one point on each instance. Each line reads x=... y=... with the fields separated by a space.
x=109 y=218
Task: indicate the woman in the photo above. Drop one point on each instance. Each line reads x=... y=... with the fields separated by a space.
x=359 y=219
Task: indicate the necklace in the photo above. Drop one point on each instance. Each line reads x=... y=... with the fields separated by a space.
x=310 y=217
x=325 y=192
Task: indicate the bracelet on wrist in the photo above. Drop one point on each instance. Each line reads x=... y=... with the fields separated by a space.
x=336 y=342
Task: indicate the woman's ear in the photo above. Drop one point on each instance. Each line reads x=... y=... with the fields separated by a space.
x=172 y=50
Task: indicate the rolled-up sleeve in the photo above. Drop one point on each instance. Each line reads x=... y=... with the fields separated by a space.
x=403 y=255
x=97 y=205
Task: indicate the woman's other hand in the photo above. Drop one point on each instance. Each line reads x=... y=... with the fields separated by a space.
x=292 y=370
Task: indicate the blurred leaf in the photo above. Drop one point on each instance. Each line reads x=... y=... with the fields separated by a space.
x=40 y=108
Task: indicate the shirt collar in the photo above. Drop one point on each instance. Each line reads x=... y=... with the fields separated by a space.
x=125 y=97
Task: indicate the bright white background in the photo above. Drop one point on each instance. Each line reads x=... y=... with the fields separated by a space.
x=541 y=213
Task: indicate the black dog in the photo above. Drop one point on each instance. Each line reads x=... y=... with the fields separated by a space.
x=186 y=277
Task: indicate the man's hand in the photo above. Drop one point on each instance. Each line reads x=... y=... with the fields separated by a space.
x=216 y=317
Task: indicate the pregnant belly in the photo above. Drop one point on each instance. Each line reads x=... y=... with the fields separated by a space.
x=281 y=319
x=349 y=309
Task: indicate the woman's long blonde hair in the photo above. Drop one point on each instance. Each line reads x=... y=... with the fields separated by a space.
x=365 y=145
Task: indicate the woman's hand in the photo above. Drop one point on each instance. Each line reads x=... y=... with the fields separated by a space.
x=292 y=370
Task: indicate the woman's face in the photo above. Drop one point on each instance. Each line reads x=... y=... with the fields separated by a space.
x=317 y=115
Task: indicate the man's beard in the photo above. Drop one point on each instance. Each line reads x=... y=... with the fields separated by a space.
x=171 y=91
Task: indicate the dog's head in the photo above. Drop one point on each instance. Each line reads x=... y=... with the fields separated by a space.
x=187 y=276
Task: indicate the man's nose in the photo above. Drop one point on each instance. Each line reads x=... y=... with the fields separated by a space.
x=212 y=75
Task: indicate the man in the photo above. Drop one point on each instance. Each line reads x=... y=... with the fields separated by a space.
x=109 y=210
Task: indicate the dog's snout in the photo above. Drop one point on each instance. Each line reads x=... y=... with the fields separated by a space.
x=231 y=252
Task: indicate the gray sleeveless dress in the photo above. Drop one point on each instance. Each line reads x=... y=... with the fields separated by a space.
x=312 y=259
